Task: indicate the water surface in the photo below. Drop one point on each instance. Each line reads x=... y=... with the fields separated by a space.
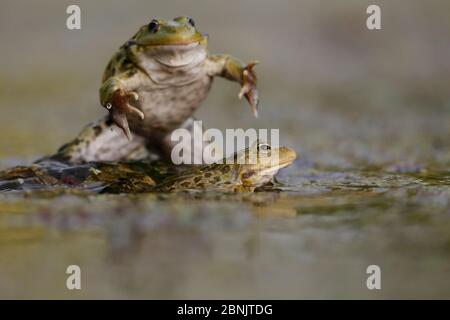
x=367 y=112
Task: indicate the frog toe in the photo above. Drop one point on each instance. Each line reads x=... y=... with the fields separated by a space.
x=135 y=111
x=120 y=119
x=133 y=95
x=249 y=89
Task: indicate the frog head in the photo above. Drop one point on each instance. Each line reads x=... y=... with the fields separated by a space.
x=170 y=43
x=261 y=162
x=256 y=165
x=160 y=32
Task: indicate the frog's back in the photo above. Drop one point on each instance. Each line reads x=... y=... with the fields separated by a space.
x=94 y=176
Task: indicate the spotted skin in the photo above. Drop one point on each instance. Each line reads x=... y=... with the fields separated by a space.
x=151 y=86
x=101 y=141
x=232 y=177
x=139 y=176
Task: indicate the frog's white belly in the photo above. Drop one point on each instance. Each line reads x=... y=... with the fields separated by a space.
x=167 y=108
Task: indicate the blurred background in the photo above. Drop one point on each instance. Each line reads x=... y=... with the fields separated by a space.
x=336 y=90
x=347 y=98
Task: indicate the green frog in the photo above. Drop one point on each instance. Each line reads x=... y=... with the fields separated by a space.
x=244 y=171
x=151 y=86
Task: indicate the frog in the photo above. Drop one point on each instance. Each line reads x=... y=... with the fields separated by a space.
x=151 y=86
x=243 y=172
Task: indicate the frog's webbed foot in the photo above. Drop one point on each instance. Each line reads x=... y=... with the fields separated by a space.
x=248 y=88
x=119 y=108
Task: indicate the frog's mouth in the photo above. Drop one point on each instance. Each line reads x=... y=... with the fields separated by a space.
x=176 y=46
x=285 y=160
x=178 y=55
x=271 y=171
x=178 y=41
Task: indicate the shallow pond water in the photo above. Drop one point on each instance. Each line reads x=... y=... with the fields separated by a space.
x=315 y=239
x=367 y=112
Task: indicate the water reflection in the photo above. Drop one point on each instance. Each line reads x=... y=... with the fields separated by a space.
x=266 y=244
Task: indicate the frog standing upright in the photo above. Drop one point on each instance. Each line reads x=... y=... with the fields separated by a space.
x=151 y=86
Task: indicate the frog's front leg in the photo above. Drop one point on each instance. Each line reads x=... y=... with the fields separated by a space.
x=233 y=69
x=115 y=94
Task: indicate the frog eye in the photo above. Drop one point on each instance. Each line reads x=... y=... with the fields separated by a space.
x=191 y=22
x=264 y=147
x=153 y=26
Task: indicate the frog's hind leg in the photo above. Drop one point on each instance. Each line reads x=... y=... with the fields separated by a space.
x=101 y=141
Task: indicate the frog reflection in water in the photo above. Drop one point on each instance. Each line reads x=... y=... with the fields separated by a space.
x=245 y=171
x=151 y=86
